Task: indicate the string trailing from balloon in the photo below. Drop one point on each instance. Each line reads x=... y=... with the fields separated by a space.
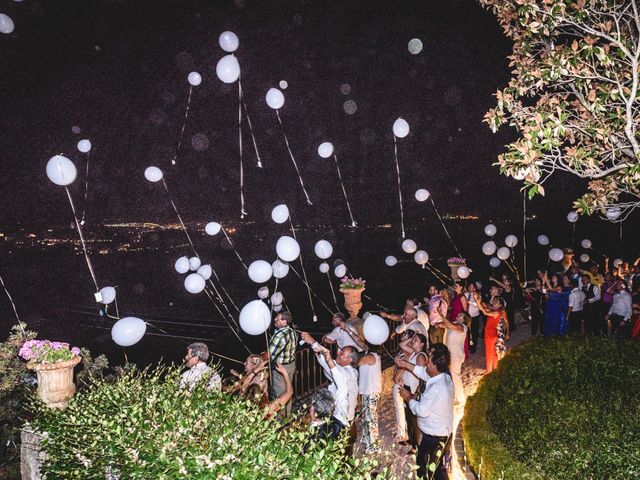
x=15 y=310
x=395 y=150
x=444 y=227
x=573 y=234
x=440 y=276
x=234 y=248
x=246 y=112
x=524 y=233
x=184 y=124
x=333 y=293
x=86 y=191
x=293 y=233
x=310 y=289
x=344 y=192
x=286 y=141
x=242 y=210
x=84 y=245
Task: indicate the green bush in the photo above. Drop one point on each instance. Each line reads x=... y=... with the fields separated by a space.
x=562 y=408
x=142 y=426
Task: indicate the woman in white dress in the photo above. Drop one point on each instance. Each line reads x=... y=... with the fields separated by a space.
x=455 y=338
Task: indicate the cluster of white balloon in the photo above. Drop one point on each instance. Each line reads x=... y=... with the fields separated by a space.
x=490 y=248
x=228 y=68
x=196 y=281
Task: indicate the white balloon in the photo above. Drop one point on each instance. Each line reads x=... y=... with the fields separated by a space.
x=617 y=262
x=556 y=254
x=84 y=146
x=194 y=79
x=340 y=271
x=6 y=24
x=421 y=257
x=464 y=272
x=490 y=230
x=391 y=261
x=586 y=243
x=376 y=330
x=511 y=241
x=153 y=174
x=287 y=248
x=409 y=246
x=212 y=228
x=489 y=248
x=182 y=265
x=277 y=298
x=543 y=240
x=108 y=295
x=366 y=315
x=280 y=269
x=613 y=213
x=275 y=98
x=128 y=331
x=494 y=262
x=422 y=195
x=228 y=41
x=280 y=213
x=205 y=271
x=228 y=69
x=255 y=318
x=584 y=258
x=277 y=308
x=263 y=292
x=325 y=150
x=194 y=283
x=61 y=170
x=260 y=271
x=503 y=253
x=194 y=263
x=323 y=249
x=400 y=128
x=572 y=217
x=324 y=267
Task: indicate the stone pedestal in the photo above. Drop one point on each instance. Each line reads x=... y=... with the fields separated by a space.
x=352 y=300
x=31 y=456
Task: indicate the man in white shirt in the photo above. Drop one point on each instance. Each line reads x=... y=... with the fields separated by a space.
x=434 y=410
x=344 y=384
x=620 y=311
x=197 y=355
x=409 y=321
x=576 y=306
x=344 y=334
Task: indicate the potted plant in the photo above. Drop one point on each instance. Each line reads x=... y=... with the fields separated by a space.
x=53 y=363
x=352 y=289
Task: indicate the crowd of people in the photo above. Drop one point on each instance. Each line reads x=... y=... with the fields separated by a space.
x=435 y=337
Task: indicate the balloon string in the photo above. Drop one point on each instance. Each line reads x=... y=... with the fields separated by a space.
x=15 y=310
x=242 y=211
x=438 y=274
x=84 y=246
x=234 y=249
x=573 y=234
x=395 y=150
x=313 y=310
x=184 y=124
x=444 y=227
x=382 y=307
x=86 y=192
x=311 y=290
x=524 y=233
x=117 y=309
x=344 y=192
x=286 y=141
x=513 y=268
x=333 y=293
x=621 y=242
x=246 y=112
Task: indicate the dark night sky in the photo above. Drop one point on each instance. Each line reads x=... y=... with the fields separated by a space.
x=117 y=69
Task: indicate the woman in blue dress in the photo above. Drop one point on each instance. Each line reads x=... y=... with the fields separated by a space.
x=555 y=317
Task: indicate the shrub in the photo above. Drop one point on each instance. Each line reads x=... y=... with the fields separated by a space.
x=561 y=408
x=144 y=426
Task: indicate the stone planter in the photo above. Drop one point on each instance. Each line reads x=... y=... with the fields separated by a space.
x=454 y=271
x=55 y=381
x=352 y=300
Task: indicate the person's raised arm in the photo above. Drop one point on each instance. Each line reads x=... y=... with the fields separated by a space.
x=451 y=326
x=353 y=333
x=391 y=316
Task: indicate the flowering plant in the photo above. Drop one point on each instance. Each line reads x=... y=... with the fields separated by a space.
x=46 y=351
x=351 y=283
x=456 y=261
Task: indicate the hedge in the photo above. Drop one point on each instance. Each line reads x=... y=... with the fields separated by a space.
x=562 y=408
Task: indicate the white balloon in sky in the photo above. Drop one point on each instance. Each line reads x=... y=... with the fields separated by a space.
x=324 y=267
x=586 y=243
x=323 y=249
x=464 y=272
x=584 y=258
x=490 y=230
x=421 y=257
x=194 y=283
x=108 y=295
x=511 y=241
x=255 y=318
x=489 y=248
x=572 y=217
x=503 y=253
x=153 y=174
x=287 y=248
x=391 y=261
x=613 y=213
x=128 y=331
x=543 y=240
x=194 y=263
x=400 y=128
x=422 y=194
x=340 y=271
x=280 y=213
x=275 y=98
x=205 y=271
x=263 y=292
x=61 y=170
x=6 y=24
x=260 y=271
x=280 y=269
x=375 y=330
x=84 y=145
x=277 y=298
x=228 y=69
x=228 y=41
x=182 y=265
x=494 y=262
x=212 y=228
x=409 y=246
x=325 y=150
x=617 y=262
x=194 y=79
x=556 y=254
